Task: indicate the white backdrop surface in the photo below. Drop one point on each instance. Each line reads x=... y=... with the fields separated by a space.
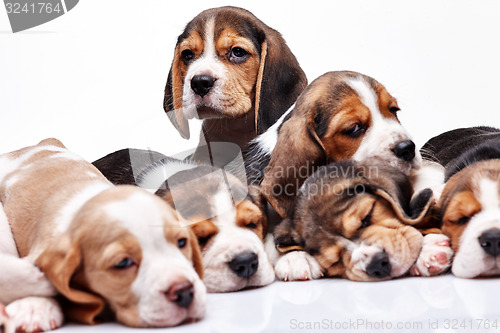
x=94 y=78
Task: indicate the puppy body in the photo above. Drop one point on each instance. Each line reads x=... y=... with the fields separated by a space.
x=225 y=215
x=98 y=244
x=234 y=72
x=469 y=206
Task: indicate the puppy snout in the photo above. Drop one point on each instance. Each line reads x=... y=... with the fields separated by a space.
x=201 y=84
x=490 y=242
x=245 y=265
x=379 y=267
x=181 y=293
x=405 y=150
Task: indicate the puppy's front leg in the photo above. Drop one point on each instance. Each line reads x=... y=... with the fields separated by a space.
x=435 y=257
x=35 y=314
x=296 y=265
x=21 y=278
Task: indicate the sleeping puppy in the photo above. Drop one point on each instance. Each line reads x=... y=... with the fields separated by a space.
x=339 y=116
x=355 y=220
x=225 y=215
x=105 y=248
x=232 y=71
x=469 y=206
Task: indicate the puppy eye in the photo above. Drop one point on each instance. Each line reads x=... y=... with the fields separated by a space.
x=394 y=109
x=181 y=242
x=125 y=263
x=355 y=131
x=202 y=241
x=187 y=56
x=238 y=55
x=366 y=221
x=463 y=220
x=252 y=225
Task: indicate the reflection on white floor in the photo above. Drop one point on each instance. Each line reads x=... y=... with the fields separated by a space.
x=439 y=304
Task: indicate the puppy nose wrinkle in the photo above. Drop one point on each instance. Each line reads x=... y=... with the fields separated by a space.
x=181 y=294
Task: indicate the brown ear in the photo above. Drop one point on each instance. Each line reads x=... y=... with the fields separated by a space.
x=419 y=206
x=172 y=101
x=298 y=152
x=196 y=255
x=279 y=83
x=59 y=262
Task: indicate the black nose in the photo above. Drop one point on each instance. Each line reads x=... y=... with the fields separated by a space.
x=245 y=265
x=490 y=242
x=201 y=84
x=379 y=267
x=405 y=150
x=181 y=294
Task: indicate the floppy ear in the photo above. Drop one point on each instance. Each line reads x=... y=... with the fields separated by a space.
x=298 y=152
x=196 y=254
x=172 y=102
x=279 y=82
x=419 y=206
x=286 y=238
x=59 y=262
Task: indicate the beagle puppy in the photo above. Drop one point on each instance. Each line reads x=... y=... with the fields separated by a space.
x=232 y=71
x=355 y=219
x=226 y=216
x=469 y=206
x=339 y=116
x=106 y=249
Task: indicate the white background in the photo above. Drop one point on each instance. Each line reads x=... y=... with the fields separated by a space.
x=94 y=78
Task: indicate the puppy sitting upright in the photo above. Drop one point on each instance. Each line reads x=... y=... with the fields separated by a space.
x=234 y=72
x=102 y=246
x=469 y=206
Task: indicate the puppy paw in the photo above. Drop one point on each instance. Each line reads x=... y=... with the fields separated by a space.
x=35 y=314
x=297 y=266
x=5 y=324
x=435 y=256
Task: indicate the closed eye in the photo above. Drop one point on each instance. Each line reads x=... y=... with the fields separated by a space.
x=252 y=225
x=202 y=241
x=463 y=220
x=124 y=264
x=355 y=131
x=394 y=109
x=367 y=220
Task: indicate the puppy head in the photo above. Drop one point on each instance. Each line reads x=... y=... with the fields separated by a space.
x=353 y=219
x=127 y=249
x=470 y=211
x=339 y=116
x=229 y=223
x=227 y=63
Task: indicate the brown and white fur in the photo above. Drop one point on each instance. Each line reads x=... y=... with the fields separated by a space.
x=102 y=247
x=357 y=221
x=226 y=215
x=234 y=72
x=468 y=196
x=339 y=116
